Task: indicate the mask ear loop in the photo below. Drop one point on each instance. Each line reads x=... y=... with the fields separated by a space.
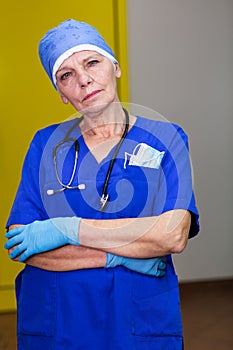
x=131 y=154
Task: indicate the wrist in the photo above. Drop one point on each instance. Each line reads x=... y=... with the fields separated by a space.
x=113 y=260
x=69 y=227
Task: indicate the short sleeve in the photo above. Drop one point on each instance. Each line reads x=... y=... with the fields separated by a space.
x=176 y=184
x=28 y=206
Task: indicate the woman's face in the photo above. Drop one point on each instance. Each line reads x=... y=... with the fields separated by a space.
x=88 y=81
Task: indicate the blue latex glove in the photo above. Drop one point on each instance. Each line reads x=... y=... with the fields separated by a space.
x=151 y=266
x=41 y=236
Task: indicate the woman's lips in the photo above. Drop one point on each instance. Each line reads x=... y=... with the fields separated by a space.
x=92 y=94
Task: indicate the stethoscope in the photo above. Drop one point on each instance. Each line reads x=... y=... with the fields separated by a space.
x=105 y=196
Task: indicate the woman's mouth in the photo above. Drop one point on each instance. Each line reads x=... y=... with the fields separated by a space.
x=92 y=94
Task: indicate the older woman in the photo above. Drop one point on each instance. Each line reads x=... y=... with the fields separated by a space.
x=103 y=202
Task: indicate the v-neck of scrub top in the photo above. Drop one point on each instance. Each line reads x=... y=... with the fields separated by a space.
x=86 y=150
x=125 y=183
x=108 y=157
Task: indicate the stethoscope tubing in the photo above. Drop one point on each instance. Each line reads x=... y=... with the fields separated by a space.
x=105 y=196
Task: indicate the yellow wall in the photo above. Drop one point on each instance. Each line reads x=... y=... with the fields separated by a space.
x=28 y=100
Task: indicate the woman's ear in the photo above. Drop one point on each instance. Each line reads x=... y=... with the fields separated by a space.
x=117 y=70
x=64 y=100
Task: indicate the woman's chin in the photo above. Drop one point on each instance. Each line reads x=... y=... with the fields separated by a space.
x=93 y=110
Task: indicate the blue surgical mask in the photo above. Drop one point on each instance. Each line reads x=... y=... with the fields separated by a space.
x=145 y=156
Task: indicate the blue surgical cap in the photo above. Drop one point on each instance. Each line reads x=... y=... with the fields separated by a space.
x=67 y=38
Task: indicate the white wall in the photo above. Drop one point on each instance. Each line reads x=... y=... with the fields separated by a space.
x=181 y=65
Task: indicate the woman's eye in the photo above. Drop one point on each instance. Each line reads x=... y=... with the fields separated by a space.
x=92 y=63
x=65 y=75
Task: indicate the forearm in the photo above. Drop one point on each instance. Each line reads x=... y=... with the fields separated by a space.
x=133 y=237
x=68 y=258
x=138 y=237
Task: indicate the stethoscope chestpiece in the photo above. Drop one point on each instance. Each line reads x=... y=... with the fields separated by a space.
x=103 y=202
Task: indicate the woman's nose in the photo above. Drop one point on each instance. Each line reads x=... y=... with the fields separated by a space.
x=84 y=78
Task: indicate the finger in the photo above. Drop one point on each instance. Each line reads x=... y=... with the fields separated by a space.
x=24 y=256
x=160 y=273
x=162 y=265
x=17 y=251
x=14 y=231
x=13 y=241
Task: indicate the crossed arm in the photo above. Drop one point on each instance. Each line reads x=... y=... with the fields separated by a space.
x=135 y=238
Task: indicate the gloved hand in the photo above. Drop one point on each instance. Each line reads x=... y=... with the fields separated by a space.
x=41 y=236
x=150 y=266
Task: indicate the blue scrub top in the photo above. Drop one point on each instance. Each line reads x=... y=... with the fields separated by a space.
x=102 y=308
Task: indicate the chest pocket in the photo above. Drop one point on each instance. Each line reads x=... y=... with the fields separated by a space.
x=135 y=191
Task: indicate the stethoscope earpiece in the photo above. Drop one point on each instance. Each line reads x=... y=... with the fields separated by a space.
x=51 y=192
